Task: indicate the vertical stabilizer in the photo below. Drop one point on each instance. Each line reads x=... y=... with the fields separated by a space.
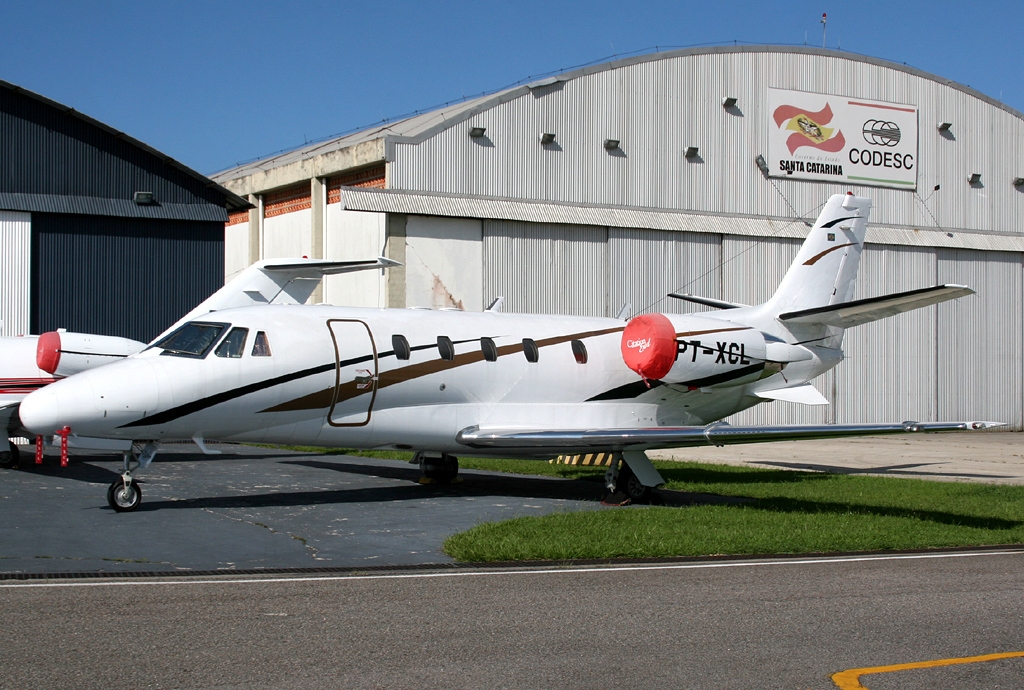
x=825 y=270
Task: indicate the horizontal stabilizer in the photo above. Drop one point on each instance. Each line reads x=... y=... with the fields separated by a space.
x=849 y=314
x=707 y=301
x=805 y=395
x=314 y=268
x=572 y=441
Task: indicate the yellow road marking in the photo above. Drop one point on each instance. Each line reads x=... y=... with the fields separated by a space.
x=850 y=679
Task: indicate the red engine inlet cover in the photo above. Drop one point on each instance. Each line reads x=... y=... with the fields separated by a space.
x=48 y=352
x=649 y=345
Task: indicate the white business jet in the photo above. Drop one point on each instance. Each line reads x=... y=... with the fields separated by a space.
x=30 y=362
x=444 y=383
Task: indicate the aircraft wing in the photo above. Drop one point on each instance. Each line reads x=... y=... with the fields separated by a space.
x=547 y=442
x=849 y=314
x=707 y=301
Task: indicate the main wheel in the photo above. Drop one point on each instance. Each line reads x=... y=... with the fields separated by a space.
x=629 y=485
x=442 y=470
x=124 y=500
x=9 y=457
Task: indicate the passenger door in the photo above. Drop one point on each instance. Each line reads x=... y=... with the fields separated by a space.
x=356 y=373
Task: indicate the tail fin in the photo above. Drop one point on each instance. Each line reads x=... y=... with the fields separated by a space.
x=825 y=270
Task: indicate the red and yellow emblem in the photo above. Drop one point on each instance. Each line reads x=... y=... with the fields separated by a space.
x=809 y=128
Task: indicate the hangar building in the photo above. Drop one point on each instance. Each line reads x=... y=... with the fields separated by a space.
x=696 y=171
x=99 y=233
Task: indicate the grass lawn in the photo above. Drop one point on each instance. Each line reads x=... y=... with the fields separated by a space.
x=788 y=512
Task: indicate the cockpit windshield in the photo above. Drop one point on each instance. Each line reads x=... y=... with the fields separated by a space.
x=192 y=340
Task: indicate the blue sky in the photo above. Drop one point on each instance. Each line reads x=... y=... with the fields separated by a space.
x=217 y=83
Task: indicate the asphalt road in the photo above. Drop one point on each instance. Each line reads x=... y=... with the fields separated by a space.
x=762 y=624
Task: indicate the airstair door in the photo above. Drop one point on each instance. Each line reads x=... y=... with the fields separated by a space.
x=355 y=386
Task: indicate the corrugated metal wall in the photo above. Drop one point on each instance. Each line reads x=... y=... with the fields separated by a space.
x=646 y=265
x=659 y=106
x=117 y=276
x=890 y=370
x=15 y=269
x=546 y=269
x=979 y=338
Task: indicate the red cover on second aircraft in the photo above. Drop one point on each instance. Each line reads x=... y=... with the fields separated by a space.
x=649 y=345
x=48 y=351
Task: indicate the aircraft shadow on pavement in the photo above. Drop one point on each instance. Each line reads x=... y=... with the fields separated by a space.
x=902 y=470
x=738 y=475
x=77 y=471
x=474 y=484
x=795 y=505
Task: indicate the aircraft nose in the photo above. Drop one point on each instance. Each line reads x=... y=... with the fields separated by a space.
x=40 y=411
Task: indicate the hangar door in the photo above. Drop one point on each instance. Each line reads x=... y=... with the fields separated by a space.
x=547 y=268
x=130 y=277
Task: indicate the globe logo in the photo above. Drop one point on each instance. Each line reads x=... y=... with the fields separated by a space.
x=881 y=133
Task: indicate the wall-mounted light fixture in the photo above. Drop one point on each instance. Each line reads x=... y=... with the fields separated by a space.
x=975 y=178
x=477 y=132
x=762 y=164
x=729 y=102
x=143 y=198
x=1018 y=182
x=547 y=138
x=691 y=151
x=611 y=144
x=943 y=126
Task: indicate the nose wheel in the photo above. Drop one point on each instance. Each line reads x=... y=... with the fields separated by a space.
x=124 y=495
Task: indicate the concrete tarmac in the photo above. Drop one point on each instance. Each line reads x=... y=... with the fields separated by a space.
x=775 y=623
x=995 y=457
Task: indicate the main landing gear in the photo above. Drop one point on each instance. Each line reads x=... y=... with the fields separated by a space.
x=124 y=494
x=623 y=485
x=437 y=468
x=9 y=457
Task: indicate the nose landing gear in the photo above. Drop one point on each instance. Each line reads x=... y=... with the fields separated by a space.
x=124 y=495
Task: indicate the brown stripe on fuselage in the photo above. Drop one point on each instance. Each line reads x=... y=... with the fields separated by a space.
x=814 y=259
x=323 y=399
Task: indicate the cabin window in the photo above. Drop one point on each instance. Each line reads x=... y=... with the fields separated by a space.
x=234 y=344
x=531 y=350
x=401 y=347
x=445 y=347
x=579 y=351
x=489 y=349
x=192 y=340
x=261 y=345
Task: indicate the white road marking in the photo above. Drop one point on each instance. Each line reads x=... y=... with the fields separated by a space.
x=523 y=571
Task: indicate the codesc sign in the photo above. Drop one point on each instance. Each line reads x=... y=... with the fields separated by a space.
x=815 y=136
